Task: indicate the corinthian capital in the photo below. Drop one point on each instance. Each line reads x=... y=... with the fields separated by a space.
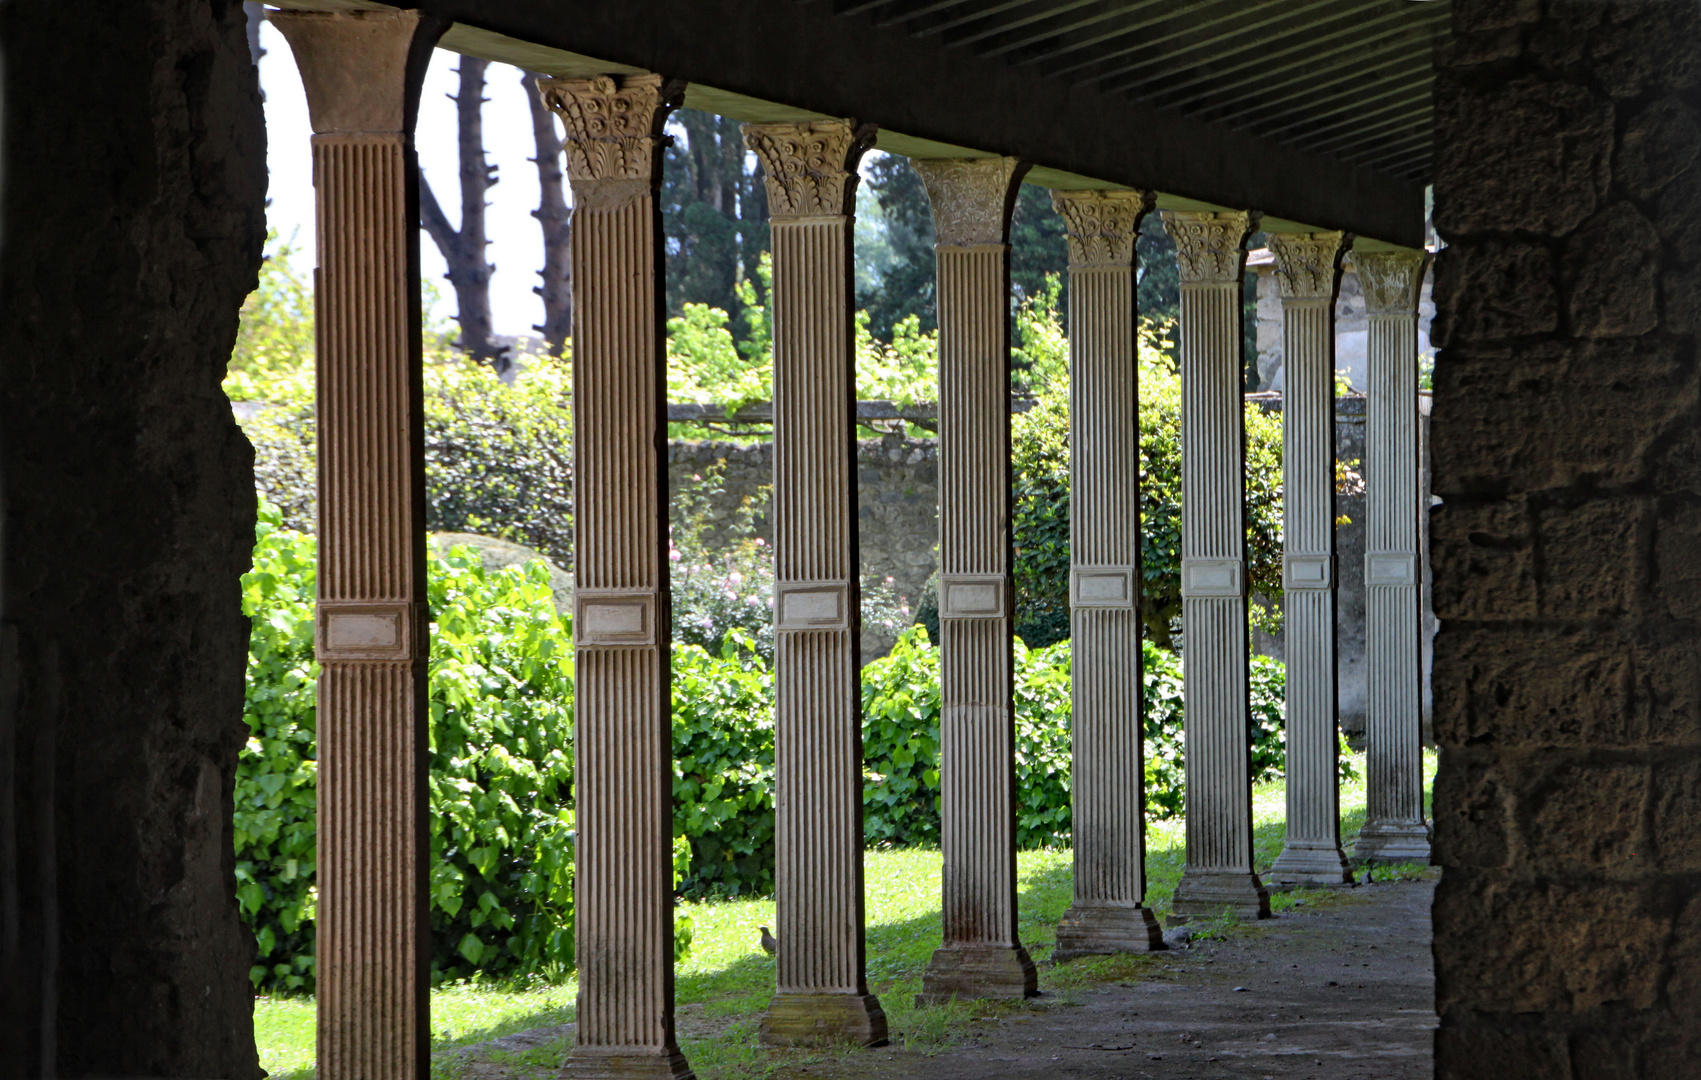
x=972 y=198
x=1209 y=247
x=614 y=125
x=1102 y=225
x=810 y=167
x=1391 y=280
x=1308 y=264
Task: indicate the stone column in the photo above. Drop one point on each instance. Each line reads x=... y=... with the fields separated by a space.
x=621 y=620
x=362 y=73
x=1395 y=829
x=1211 y=253
x=982 y=954
x=1107 y=745
x=1308 y=273
x=822 y=994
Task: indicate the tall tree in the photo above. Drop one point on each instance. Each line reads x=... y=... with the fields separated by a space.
x=714 y=211
x=463 y=248
x=557 y=224
x=905 y=285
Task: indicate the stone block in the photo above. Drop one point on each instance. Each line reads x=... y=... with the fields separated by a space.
x=1484 y=560
x=1504 y=289
x=1582 y=816
x=1539 y=165
x=1677 y=559
x=1593 y=557
x=1677 y=216
x=1640 y=46
x=1531 y=687
x=1677 y=814
x=823 y=1020
x=1495 y=15
x=1665 y=689
x=1610 y=269
x=1658 y=145
x=1557 y=414
x=1472 y=811
x=1680 y=299
x=1493 y=1048
x=1514 y=945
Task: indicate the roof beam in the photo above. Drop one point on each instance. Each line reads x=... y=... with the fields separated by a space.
x=769 y=60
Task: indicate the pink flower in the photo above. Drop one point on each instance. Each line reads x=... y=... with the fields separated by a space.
x=735 y=577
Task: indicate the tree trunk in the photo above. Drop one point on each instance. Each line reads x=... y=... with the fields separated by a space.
x=463 y=249
x=552 y=215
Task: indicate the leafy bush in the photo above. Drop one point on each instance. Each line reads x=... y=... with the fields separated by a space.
x=498 y=456
x=501 y=684
x=1040 y=465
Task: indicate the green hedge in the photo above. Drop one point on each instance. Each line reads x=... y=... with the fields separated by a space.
x=501 y=761
x=501 y=687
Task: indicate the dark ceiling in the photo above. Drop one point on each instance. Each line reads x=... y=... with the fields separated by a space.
x=1346 y=78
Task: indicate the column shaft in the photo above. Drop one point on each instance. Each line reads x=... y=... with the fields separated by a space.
x=1308 y=273
x=373 y=924
x=621 y=624
x=1395 y=829
x=982 y=955
x=823 y=992
x=1107 y=741
x=1211 y=255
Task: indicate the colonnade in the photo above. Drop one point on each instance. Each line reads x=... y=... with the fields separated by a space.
x=362 y=73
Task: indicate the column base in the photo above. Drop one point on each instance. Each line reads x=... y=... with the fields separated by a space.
x=824 y=1019
x=1392 y=840
x=1204 y=894
x=626 y=1063
x=1103 y=929
x=1309 y=863
x=978 y=971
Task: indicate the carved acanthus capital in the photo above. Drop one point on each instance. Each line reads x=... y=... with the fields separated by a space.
x=1102 y=225
x=1308 y=265
x=1210 y=248
x=972 y=198
x=614 y=125
x=1391 y=280
x=810 y=167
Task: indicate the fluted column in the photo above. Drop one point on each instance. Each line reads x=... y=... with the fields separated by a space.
x=1395 y=829
x=362 y=73
x=1211 y=254
x=1308 y=272
x=622 y=729
x=823 y=989
x=982 y=955
x=1107 y=741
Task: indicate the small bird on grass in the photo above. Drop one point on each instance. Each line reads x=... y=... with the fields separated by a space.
x=770 y=944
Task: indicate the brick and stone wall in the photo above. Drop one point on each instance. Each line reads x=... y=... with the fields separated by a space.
x=1567 y=546
x=897 y=499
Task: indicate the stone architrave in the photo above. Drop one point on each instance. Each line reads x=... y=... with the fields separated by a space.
x=1108 y=914
x=1308 y=273
x=362 y=72
x=1210 y=251
x=1395 y=829
x=621 y=625
x=822 y=995
x=982 y=955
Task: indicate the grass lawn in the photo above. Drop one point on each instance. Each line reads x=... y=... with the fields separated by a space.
x=724 y=983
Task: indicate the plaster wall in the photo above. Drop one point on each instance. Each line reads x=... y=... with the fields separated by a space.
x=1567 y=544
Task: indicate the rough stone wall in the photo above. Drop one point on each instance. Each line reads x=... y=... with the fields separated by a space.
x=132 y=225
x=897 y=498
x=1567 y=547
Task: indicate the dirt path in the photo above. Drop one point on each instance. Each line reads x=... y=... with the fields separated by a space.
x=1344 y=989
